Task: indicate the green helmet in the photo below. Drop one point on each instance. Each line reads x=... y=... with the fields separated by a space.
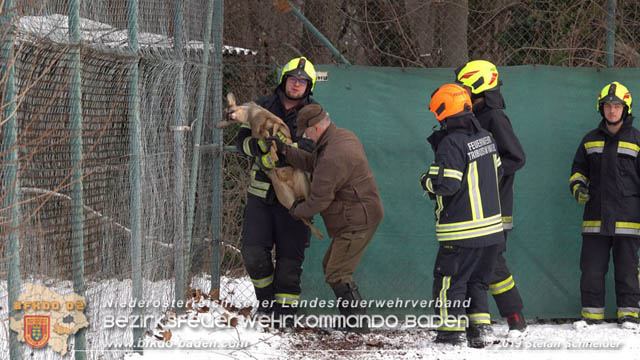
x=301 y=67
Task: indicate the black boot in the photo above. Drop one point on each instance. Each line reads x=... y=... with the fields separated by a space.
x=517 y=322
x=349 y=292
x=479 y=335
x=450 y=337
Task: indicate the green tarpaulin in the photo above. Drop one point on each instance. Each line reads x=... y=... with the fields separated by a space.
x=551 y=109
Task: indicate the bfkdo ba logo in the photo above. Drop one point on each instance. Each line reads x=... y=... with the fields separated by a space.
x=36 y=330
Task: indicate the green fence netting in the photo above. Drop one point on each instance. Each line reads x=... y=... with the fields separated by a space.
x=551 y=109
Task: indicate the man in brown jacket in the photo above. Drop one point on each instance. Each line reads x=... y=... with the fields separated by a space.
x=345 y=193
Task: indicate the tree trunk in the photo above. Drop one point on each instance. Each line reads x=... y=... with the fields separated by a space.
x=454 y=33
x=422 y=22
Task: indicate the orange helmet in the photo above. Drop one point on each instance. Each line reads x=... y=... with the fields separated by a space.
x=449 y=100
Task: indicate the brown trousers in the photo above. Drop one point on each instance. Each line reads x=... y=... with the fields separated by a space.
x=344 y=254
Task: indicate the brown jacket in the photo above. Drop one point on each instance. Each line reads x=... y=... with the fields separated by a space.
x=343 y=189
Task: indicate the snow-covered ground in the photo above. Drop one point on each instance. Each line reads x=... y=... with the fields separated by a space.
x=242 y=341
x=224 y=331
x=542 y=342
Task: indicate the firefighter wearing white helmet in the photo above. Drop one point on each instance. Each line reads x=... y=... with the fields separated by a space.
x=605 y=178
x=480 y=78
x=266 y=222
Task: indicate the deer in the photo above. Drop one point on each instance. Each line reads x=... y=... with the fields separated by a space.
x=289 y=183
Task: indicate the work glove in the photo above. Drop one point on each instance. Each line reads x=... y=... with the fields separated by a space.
x=582 y=194
x=304 y=144
x=293 y=207
x=280 y=144
x=423 y=182
x=266 y=163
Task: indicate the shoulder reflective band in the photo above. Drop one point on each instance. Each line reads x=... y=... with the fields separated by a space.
x=628 y=148
x=594 y=147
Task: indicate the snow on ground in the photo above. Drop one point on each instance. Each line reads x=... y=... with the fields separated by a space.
x=243 y=341
x=223 y=331
x=542 y=342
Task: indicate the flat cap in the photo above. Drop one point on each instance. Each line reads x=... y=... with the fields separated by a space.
x=309 y=116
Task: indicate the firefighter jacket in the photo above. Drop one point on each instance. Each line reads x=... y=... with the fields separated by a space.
x=260 y=184
x=495 y=121
x=464 y=178
x=343 y=190
x=609 y=167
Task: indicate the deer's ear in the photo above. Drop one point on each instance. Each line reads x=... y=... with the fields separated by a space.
x=231 y=99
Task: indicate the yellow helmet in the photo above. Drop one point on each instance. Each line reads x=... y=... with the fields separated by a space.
x=614 y=92
x=302 y=67
x=478 y=75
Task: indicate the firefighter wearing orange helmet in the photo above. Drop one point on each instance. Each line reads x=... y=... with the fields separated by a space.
x=463 y=181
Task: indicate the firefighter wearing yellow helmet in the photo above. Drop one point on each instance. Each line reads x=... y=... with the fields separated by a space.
x=299 y=68
x=605 y=178
x=266 y=222
x=481 y=79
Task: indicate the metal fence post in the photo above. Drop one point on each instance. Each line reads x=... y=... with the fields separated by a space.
x=178 y=160
x=135 y=145
x=10 y=163
x=336 y=54
x=77 y=217
x=202 y=89
x=216 y=206
x=611 y=32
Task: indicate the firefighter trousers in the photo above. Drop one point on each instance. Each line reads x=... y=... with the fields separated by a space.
x=503 y=286
x=265 y=226
x=463 y=273
x=594 y=264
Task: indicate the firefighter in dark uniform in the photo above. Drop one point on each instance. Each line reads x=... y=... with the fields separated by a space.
x=463 y=180
x=605 y=177
x=480 y=79
x=266 y=221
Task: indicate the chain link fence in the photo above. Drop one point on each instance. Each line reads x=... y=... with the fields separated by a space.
x=45 y=172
